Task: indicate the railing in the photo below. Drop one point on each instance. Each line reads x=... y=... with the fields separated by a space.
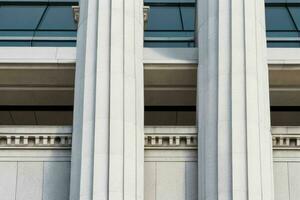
x=155 y=137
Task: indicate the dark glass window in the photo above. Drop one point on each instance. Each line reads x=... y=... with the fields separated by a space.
x=164 y=19
x=188 y=18
x=171 y=23
x=278 y=18
x=58 y=18
x=295 y=12
x=20 y=17
x=282 y=24
x=38 y=23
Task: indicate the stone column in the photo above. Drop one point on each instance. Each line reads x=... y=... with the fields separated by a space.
x=235 y=152
x=107 y=148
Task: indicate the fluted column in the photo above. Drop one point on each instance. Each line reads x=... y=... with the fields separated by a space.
x=107 y=148
x=235 y=154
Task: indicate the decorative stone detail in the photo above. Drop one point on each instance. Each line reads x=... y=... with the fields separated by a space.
x=146 y=9
x=170 y=137
x=286 y=141
x=35 y=137
x=287 y=137
x=35 y=141
x=76 y=13
x=55 y=137
x=170 y=141
x=146 y=13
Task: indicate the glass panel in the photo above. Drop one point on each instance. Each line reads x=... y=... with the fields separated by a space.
x=188 y=17
x=161 y=1
x=16 y=33
x=64 y=1
x=169 y=1
x=283 y=34
x=20 y=17
x=56 y=33
x=58 y=18
x=54 y=43
x=278 y=18
x=23 y=1
x=164 y=18
x=168 y=44
x=275 y=1
x=295 y=12
x=283 y=44
x=169 y=34
x=293 y=1
x=15 y=43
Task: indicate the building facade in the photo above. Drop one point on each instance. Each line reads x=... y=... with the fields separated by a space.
x=153 y=100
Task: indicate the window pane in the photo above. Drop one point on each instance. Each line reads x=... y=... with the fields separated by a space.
x=169 y=34
x=295 y=12
x=293 y=1
x=283 y=44
x=275 y=1
x=169 y=44
x=16 y=33
x=20 y=17
x=169 y=1
x=54 y=43
x=56 y=33
x=188 y=17
x=164 y=18
x=161 y=1
x=58 y=18
x=283 y=34
x=64 y=1
x=15 y=43
x=278 y=18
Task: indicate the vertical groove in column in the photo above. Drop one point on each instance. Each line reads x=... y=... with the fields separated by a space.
x=116 y=162
x=139 y=89
x=224 y=103
x=207 y=84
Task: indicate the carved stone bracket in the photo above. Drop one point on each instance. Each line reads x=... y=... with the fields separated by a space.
x=146 y=14
x=76 y=11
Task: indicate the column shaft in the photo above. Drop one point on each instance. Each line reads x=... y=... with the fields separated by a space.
x=107 y=149
x=235 y=152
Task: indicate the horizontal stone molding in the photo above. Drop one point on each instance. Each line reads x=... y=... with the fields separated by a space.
x=35 y=137
x=170 y=141
x=286 y=138
x=170 y=137
x=286 y=141
x=156 y=137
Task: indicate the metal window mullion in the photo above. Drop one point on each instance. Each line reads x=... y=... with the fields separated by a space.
x=40 y=21
x=181 y=18
x=288 y=9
